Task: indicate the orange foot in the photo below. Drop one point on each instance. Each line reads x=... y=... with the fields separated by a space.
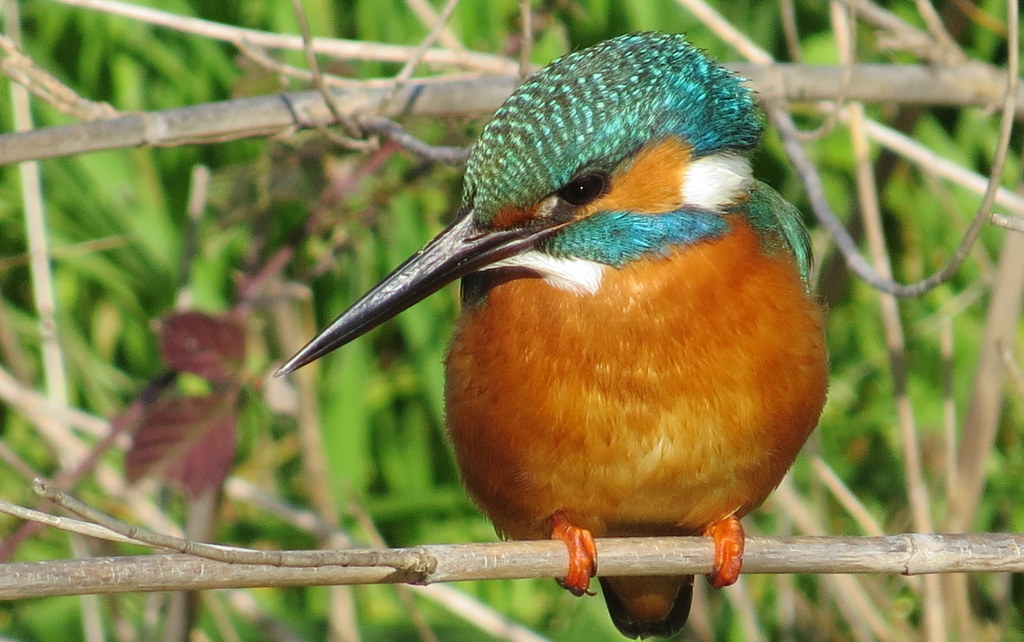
x=582 y=554
x=729 y=540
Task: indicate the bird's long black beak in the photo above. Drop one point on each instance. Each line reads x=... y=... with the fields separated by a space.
x=459 y=250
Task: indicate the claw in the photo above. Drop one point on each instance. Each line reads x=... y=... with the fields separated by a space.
x=582 y=554
x=729 y=540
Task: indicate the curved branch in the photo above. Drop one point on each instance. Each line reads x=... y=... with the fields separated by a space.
x=854 y=260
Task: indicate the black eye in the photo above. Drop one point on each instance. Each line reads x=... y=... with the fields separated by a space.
x=583 y=190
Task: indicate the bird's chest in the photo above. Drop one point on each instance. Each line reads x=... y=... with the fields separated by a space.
x=642 y=408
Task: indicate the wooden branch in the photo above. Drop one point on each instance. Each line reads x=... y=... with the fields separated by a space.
x=338 y=48
x=907 y=554
x=973 y=84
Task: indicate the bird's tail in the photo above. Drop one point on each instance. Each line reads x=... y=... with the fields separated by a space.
x=644 y=606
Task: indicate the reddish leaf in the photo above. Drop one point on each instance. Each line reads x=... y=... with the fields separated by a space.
x=211 y=347
x=129 y=419
x=188 y=441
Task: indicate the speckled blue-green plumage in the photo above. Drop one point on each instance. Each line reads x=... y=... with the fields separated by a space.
x=616 y=238
x=592 y=108
x=779 y=224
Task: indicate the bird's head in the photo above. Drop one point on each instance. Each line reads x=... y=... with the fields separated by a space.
x=608 y=154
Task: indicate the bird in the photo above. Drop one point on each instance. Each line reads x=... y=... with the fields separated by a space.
x=639 y=352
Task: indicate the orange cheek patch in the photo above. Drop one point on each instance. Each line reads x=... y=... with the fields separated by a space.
x=652 y=183
x=509 y=217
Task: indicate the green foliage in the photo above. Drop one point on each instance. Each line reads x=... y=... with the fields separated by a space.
x=124 y=251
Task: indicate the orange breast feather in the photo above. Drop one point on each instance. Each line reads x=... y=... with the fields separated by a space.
x=678 y=394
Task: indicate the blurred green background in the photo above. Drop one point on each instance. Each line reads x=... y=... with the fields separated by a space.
x=125 y=254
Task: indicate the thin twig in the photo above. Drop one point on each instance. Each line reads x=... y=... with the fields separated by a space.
x=198 y=192
x=917 y=490
x=743 y=605
x=526 y=38
x=368 y=526
x=852 y=599
x=91 y=610
x=951 y=52
x=45 y=86
x=405 y=73
x=949 y=425
x=931 y=162
x=404 y=561
x=40 y=409
x=982 y=418
x=66 y=524
x=790 y=30
x=721 y=27
x=980 y=17
x=812 y=182
x=354 y=136
x=219 y=615
x=271 y=627
x=844 y=28
x=395 y=132
x=846 y=245
x=261 y=58
x=334 y=47
x=897 y=34
x=14 y=460
x=428 y=16
x=853 y=506
x=41 y=269
x=995 y=174
x=477 y=613
x=342 y=617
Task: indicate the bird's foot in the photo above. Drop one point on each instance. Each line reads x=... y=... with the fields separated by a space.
x=729 y=540
x=582 y=554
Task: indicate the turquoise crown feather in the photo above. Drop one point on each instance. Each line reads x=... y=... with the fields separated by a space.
x=591 y=108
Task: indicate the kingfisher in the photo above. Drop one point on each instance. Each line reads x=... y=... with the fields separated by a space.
x=639 y=352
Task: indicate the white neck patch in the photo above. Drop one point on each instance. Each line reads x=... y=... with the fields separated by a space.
x=714 y=181
x=579 y=276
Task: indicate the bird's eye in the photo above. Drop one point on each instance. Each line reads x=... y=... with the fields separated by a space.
x=583 y=190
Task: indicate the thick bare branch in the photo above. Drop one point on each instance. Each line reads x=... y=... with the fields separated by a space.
x=454 y=96
x=248 y=117
x=907 y=554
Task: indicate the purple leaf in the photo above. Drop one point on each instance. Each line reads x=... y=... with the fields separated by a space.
x=211 y=347
x=188 y=441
